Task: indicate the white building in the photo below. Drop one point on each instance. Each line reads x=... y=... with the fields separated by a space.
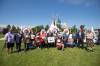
x=53 y=27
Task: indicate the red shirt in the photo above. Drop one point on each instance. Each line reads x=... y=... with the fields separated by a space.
x=41 y=40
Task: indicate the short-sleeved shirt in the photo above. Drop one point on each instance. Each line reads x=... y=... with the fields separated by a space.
x=9 y=37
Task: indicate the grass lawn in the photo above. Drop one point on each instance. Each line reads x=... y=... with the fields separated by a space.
x=51 y=57
x=1 y=35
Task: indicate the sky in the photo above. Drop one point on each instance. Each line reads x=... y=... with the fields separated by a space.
x=41 y=12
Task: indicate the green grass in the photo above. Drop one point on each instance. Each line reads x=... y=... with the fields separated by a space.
x=1 y=35
x=51 y=57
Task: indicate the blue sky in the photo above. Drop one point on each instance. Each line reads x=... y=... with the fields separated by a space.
x=40 y=12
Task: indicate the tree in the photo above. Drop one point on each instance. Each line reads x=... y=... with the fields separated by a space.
x=74 y=29
x=14 y=29
x=18 y=29
x=58 y=23
x=34 y=29
x=8 y=27
x=5 y=30
x=37 y=28
x=46 y=27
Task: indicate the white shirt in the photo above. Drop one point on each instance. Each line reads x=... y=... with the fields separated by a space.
x=70 y=36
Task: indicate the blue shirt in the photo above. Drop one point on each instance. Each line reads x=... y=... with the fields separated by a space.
x=18 y=38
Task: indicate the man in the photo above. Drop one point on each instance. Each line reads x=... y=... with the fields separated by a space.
x=81 y=36
x=65 y=37
x=9 y=40
x=75 y=39
x=18 y=40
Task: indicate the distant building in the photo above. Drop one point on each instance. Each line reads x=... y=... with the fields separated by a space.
x=1 y=29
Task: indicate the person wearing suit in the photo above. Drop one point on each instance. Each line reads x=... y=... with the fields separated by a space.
x=81 y=36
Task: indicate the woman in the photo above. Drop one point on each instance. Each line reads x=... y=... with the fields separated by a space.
x=89 y=39
x=43 y=37
x=70 y=41
x=9 y=40
x=39 y=41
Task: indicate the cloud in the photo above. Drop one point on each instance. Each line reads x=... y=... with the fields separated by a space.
x=75 y=2
x=86 y=3
x=91 y=3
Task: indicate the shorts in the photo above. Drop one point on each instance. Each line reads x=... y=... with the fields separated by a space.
x=9 y=45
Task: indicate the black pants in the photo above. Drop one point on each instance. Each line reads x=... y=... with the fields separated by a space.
x=10 y=45
x=80 y=42
x=51 y=44
x=98 y=42
x=18 y=46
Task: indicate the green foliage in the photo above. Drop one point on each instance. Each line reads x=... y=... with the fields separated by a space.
x=8 y=27
x=14 y=30
x=74 y=29
x=1 y=36
x=37 y=28
x=59 y=24
x=46 y=27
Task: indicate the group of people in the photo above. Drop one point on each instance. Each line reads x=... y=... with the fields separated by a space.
x=48 y=39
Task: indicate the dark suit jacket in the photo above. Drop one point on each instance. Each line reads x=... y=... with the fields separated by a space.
x=80 y=36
